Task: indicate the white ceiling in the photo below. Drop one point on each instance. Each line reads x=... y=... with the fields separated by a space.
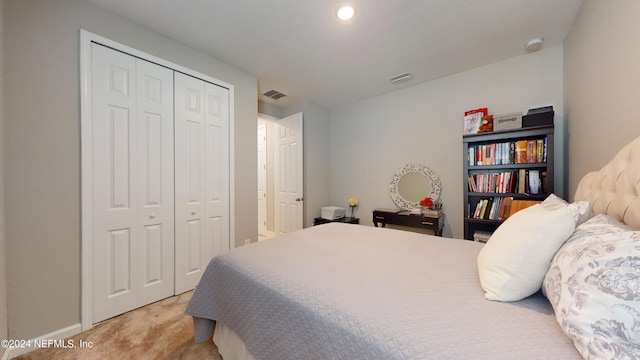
x=300 y=48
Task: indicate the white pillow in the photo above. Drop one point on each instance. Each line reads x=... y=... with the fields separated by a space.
x=581 y=210
x=593 y=284
x=513 y=263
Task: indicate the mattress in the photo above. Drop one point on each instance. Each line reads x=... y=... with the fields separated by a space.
x=343 y=291
x=229 y=344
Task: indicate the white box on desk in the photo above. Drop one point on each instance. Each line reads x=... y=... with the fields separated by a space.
x=332 y=212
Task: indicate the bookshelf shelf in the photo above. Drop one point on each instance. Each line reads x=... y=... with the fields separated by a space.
x=480 y=168
x=498 y=171
x=519 y=196
x=490 y=222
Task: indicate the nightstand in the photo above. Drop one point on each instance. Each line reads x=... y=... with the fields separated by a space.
x=404 y=218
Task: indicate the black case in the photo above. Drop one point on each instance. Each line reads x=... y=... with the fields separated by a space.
x=538 y=117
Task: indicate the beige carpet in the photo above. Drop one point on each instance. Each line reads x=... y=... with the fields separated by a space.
x=156 y=331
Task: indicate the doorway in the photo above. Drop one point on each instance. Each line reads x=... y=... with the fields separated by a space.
x=266 y=212
x=280 y=175
x=263 y=233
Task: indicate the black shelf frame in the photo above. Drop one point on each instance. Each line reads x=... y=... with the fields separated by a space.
x=471 y=198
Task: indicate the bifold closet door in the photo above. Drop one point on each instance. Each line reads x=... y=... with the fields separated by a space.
x=201 y=177
x=133 y=181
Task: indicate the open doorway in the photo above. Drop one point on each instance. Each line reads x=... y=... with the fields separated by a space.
x=280 y=175
x=266 y=212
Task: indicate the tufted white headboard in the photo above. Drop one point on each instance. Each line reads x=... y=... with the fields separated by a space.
x=615 y=189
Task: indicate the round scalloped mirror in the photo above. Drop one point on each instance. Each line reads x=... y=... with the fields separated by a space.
x=412 y=183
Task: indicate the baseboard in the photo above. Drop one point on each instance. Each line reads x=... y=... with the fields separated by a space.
x=267 y=235
x=60 y=334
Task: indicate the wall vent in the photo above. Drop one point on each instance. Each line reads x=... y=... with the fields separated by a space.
x=274 y=94
x=400 y=78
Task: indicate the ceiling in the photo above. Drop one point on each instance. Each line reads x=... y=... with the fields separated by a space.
x=300 y=48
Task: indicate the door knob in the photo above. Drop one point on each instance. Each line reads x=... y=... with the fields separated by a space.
x=299 y=199
x=193 y=212
x=152 y=215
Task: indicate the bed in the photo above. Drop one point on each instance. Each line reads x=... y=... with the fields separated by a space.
x=560 y=280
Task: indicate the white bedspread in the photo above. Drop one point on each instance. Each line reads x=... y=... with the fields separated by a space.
x=342 y=291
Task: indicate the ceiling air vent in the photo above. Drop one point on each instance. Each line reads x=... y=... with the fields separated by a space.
x=274 y=94
x=400 y=78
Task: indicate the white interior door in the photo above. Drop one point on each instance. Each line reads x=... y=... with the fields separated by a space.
x=262 y=180
x=201 y=178
x=289 y=183
x=132 y=139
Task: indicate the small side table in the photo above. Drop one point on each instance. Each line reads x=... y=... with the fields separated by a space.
x=348 y=220
x=405 y=218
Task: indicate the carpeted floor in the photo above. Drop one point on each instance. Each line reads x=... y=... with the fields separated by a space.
x=157 y=331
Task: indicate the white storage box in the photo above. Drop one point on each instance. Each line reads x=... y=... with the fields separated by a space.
x=332 y=212
x=507 y=121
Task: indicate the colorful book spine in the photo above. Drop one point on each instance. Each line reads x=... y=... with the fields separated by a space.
x=525 y=151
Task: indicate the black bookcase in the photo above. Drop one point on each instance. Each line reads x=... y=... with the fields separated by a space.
x=494 y=177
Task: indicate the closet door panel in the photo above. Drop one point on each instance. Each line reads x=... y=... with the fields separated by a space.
x=189 y=180
x=114 y=213
x=217 y=165
x=155 y=181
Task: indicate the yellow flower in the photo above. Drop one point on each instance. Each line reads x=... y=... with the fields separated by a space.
x=353 y=202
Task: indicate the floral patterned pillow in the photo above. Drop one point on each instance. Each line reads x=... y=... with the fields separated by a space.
x=593 y=284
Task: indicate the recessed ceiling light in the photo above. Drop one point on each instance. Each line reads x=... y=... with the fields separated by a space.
x=346 y=12
x=534 y=44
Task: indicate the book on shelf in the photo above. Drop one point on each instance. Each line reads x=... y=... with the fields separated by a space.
x=495 y=205
x=472 y=122
x=507 y=153
x=500 y=208
x=532 y=182
x=522 y=176
x=522 y=181
x=517 y=205
x=521 y=152
x=532 y=151
x=506 y=209
x=495 y=208
x=540 y=151
x=535 y=182
x=498 y=182
x=483 y=203
x=543 y=175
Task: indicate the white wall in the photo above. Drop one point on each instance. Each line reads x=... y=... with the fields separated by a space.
x=3 y=257
x=602 y=73
x=270 y=109
x=42 y=148
x=371 y=139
